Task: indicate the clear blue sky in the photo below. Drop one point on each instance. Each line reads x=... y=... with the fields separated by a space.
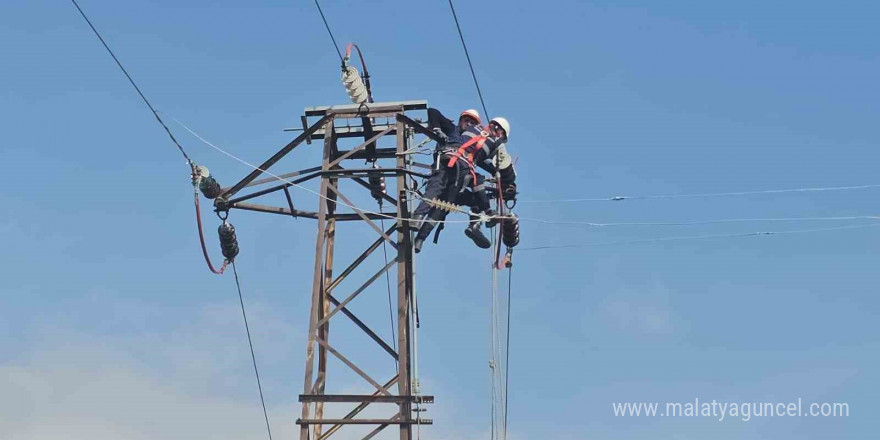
x=111 y=327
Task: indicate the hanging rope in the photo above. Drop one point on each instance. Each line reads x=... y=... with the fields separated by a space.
x=507 y=350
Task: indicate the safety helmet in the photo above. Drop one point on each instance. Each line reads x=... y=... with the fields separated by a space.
x=473 y=114
x=503 y=123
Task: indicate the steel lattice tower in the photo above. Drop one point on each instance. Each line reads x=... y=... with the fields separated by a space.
x=326 y=303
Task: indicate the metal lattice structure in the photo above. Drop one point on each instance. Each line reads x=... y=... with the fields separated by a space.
x=326 y=303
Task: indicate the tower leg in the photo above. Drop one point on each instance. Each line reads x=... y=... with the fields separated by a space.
x=318 y=296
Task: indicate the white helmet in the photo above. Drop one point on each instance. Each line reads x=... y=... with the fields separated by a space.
x=473 y=114
x=503 y=123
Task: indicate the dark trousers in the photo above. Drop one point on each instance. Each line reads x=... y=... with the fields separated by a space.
x=475 y=196
x=444 y=184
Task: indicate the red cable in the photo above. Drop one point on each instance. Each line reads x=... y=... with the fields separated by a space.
x=202 y=239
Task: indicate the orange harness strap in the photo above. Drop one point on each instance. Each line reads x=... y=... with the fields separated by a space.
x=476 y=140
x=462 y=152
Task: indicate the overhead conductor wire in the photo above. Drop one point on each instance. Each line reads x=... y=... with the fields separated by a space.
x=251 y=345
x=468 y=55
x=680 y=196
x=335 y=46
x=198 y=216
x=697 y=237
x=146 y=101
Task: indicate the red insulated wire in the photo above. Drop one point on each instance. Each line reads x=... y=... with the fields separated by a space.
x=202 y=239
x=500 y=225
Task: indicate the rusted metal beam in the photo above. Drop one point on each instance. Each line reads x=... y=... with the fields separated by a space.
x=364 y=327
x=404 y=278
x=357 y=261
x=317 y=286
x=289 y=200
x=358 y=291
x=371 y=108
x=391 y=421
x=324 y=330
x=356 y=398
x=379 y=428
x=274 y=210
x=308 y=214
x=361 y=213
x=419 y=128
x=283 y=176
x=357 y=410
x=275 y=158
x=354 y=367
x=263 y=192
x=359 y=147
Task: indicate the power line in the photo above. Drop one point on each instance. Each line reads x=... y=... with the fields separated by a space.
x=678 y=196
x=701 y=222
x=251 y=344
x=466 y=54
x=696 y=237
x=558 y=222
x=335 y=46
x=156 y=114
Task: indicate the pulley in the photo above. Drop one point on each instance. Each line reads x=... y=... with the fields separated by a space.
x=228 y=241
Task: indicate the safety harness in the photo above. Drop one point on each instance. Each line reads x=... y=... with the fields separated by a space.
x=467 y=151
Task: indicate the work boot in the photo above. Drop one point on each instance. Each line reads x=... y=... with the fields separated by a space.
x=417 y=245
x=474 y=233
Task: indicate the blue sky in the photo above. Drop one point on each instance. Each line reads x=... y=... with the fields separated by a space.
x=112 y=328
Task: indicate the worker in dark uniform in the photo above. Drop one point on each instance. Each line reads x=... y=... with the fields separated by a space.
x=501 y=167
x=454 y=172
x=445 y=182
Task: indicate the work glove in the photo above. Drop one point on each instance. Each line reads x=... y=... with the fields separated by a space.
x=440 y=134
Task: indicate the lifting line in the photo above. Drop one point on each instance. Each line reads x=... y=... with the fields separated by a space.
x=679 y=196
x=495 y=260
x=697 y=237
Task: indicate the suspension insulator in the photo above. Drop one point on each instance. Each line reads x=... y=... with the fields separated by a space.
x=377 y=187
x=228 y=241
x=210 y=188
x=354 y=85
x=510 y=231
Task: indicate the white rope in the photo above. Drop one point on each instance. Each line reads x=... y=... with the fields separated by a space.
x=484 y=217
x=356 y=209
x=698 y=237
x=492 y=345
x=678 y=196
x=702 y=222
